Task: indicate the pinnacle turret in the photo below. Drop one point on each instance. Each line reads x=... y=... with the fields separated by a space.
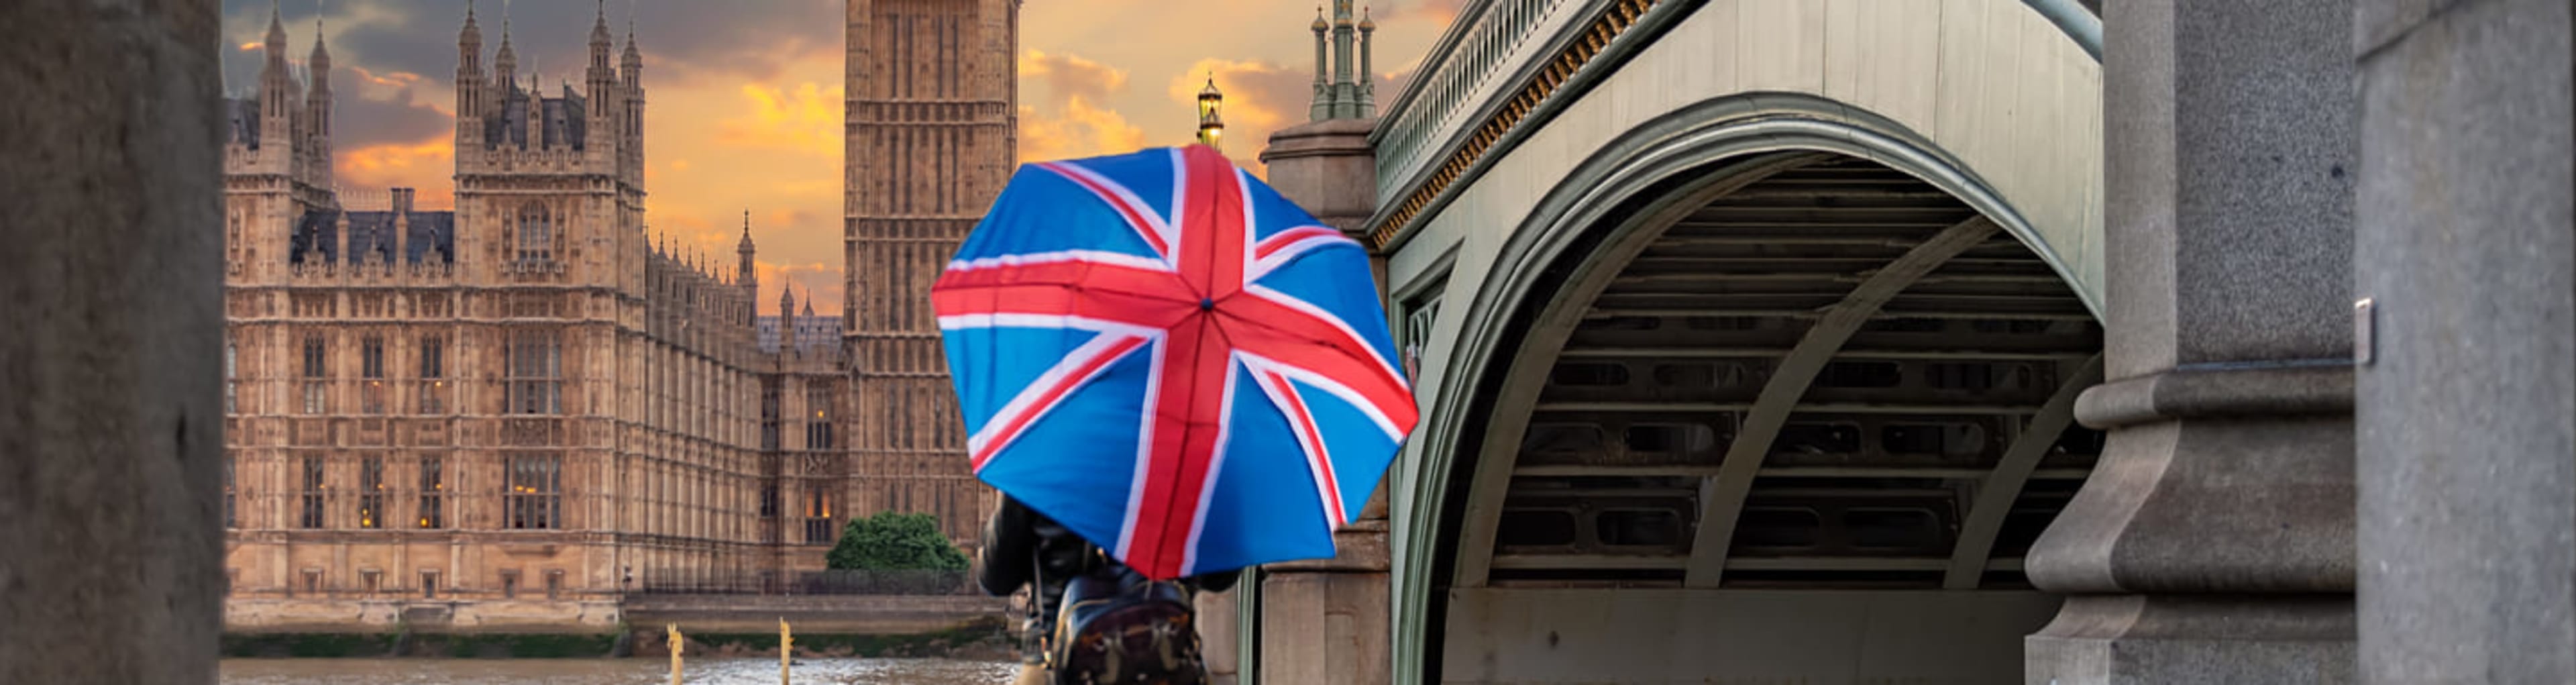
x=1344 y=94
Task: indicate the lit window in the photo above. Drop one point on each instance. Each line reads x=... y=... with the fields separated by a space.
x=371 y=366
x=433 y=376
x=433 y=492
x=818 y=429
x=371 y=492
x=818 y=515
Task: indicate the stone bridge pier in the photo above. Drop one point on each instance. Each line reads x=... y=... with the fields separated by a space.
x=2214 y=542
x=111 y=322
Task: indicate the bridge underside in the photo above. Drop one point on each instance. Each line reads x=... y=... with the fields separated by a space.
x=1803 y=429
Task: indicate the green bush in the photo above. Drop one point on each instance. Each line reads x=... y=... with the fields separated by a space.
x=892 y=541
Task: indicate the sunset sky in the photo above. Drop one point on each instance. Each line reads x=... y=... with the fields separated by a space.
x=744 y=97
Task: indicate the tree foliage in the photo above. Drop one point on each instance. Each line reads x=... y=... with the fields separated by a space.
x=891 y=541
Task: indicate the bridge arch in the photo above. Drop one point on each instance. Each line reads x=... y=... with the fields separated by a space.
x=1586 y=234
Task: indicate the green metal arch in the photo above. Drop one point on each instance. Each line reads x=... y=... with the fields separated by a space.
x=1642 y=170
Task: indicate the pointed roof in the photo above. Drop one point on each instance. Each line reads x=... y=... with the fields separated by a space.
x=506 y=54
x=632 y=55
x=745 y=247
x=599 y=26
x=472 y=33
x=321 y=58
x=276 y=26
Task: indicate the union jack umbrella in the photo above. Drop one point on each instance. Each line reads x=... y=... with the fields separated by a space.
x=1164 y=355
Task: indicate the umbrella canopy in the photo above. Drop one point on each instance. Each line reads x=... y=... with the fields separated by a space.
x=1164 y=355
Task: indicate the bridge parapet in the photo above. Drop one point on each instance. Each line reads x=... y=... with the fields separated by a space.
x=1471 y=59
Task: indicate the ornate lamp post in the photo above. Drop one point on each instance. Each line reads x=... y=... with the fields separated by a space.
x=1211 y=125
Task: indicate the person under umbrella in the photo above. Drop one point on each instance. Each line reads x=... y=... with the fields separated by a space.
x=1172 y=372
x=1025 y=549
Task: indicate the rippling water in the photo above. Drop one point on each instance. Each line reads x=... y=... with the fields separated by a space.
x=637 y=671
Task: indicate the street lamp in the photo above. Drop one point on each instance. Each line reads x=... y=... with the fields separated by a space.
x=1211 y=126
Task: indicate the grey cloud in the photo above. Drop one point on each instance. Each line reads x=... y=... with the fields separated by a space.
x=682 y=39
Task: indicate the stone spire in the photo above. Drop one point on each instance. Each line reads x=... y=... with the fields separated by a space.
x=276 y=31
x=601 y=78
x=1345 y=94
x=1367 y=97
x=630 y=100
x=1345 y=97
x=1321 y=107
x=321 y=58
x=276 y=87
x=317 y=110
x=749 y=276
x=631 y=62
x=473 y=87
x=505 y=63
x=786 y=309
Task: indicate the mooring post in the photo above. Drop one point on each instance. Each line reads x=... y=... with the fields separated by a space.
x=677 y=642
x=786 y=649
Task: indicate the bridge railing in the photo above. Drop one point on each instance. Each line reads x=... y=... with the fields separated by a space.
x=1462 y=71
x=789 y=583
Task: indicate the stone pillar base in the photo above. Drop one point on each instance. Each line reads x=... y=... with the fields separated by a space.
x=1216 y=618
x=2138 y=639
x=1325 y=621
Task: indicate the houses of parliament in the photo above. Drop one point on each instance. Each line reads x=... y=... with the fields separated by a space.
x=518 y=411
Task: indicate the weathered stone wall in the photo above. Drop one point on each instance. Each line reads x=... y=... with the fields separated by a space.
x=2464 y=243
x=110 y=154
x=380 y=615
x=860 y=615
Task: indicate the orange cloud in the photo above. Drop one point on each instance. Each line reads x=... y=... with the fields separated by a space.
x=252 y=46
x=807 y=120
x=1065 y=116
x=397 y=79
x=1082 y=130
x=1071 y=75
x=428 y=167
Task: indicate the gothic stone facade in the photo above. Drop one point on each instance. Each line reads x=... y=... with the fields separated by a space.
x=930 y=140
x=510 y=414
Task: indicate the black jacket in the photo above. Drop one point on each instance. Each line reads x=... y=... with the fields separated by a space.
x=1024 y=547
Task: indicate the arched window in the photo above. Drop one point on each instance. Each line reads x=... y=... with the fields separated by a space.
x=536 y=235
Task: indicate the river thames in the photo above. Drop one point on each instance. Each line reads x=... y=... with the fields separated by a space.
x=635 y=671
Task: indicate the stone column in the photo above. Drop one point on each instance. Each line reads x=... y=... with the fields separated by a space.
x=2213 y=544
x=1326 y=621
x=1328 y=168
x=1218 y=636
x=2463 y=244
x=111 y=293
